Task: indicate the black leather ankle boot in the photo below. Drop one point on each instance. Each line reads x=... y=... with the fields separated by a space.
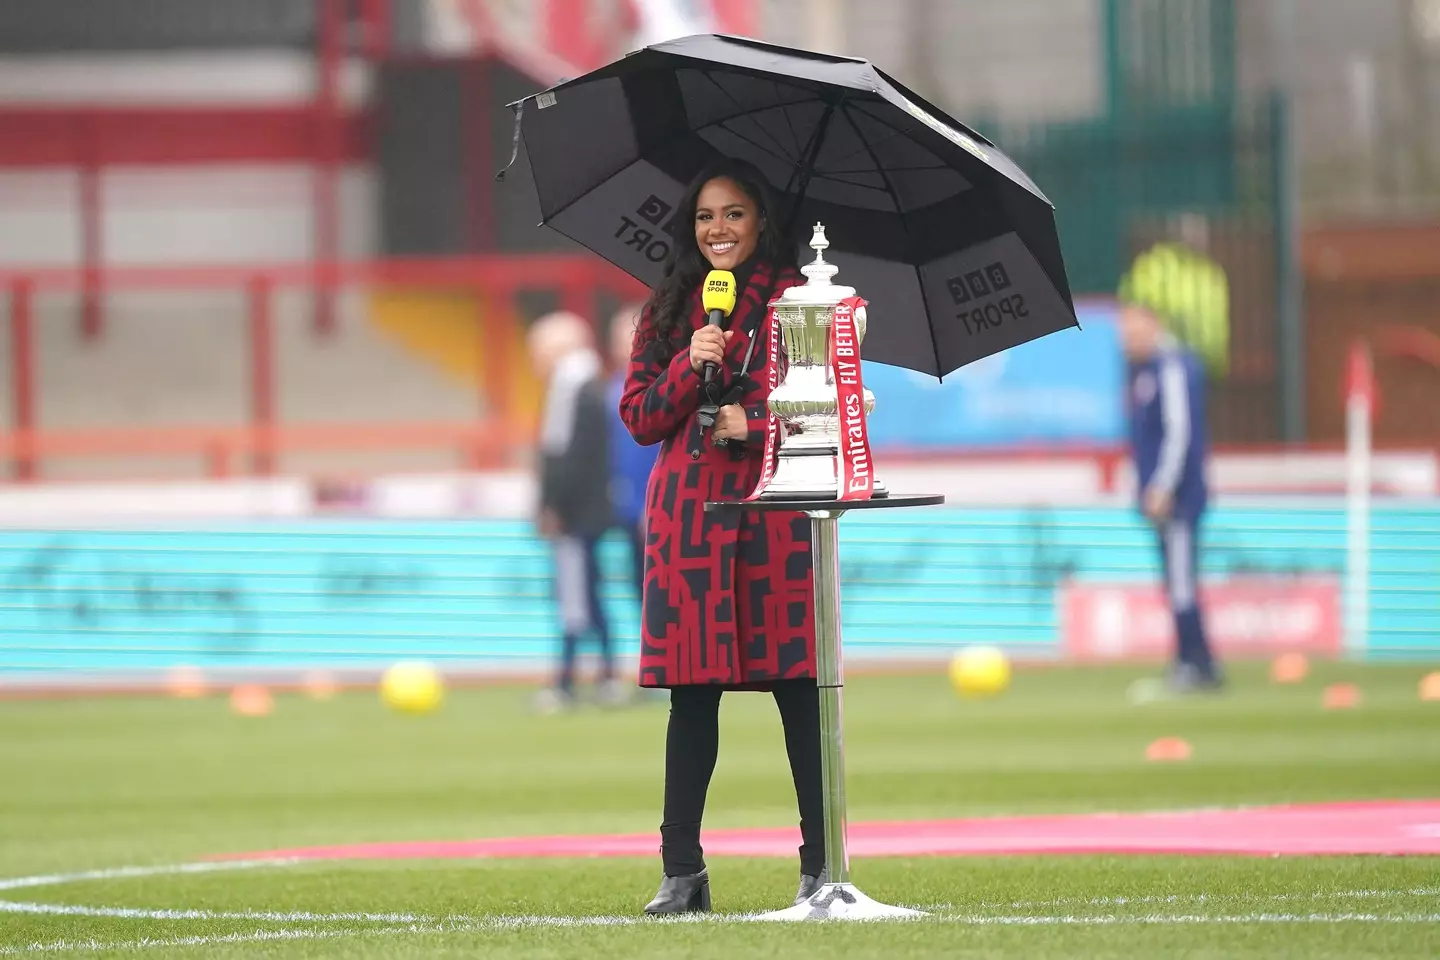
x=809 y=885
x=687 y=894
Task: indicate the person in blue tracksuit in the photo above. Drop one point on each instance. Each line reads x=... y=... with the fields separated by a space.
x=1165 y=400
x=630 y=463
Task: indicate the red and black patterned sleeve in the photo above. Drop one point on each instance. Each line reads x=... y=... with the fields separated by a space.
x=659 y=395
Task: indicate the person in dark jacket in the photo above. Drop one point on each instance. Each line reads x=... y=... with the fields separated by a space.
x=575 y=507
x=631 y=463
x=1165 y=400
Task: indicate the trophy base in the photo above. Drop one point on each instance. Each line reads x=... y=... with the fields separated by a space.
x=812 y=474
x=841 y=901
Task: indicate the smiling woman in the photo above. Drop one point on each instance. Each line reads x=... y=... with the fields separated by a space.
x=728 y=596
x=727 y=224
x=730 y=206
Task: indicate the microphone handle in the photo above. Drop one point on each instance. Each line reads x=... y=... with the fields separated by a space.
x=711 y=368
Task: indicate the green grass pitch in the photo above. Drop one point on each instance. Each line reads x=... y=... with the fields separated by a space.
x=98 y=784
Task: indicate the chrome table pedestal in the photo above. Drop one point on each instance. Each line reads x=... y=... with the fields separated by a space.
x=839 y=899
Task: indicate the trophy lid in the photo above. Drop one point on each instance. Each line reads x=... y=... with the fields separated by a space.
x=818 y=291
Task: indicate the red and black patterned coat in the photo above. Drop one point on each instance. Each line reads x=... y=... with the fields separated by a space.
x=728 y=595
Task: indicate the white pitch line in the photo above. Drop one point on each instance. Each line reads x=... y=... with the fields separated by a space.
x=301 y=916
x=119 y=873
x=1211 y=898
x=408 y=923
x=506 y=924
x=1197 y=919
x=491 y=924
x=134 y=913
x=149 y=943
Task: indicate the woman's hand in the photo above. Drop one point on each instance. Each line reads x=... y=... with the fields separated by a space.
x=730 y=423
x=707 y=345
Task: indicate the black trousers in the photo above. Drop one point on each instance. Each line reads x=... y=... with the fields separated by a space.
x=692 y=745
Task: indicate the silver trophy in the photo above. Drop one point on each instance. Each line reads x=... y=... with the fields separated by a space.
x=805 y=401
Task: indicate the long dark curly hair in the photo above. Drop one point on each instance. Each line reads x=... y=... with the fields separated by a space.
x=686 y=266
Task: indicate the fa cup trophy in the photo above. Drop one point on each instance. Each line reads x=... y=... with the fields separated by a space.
x=821 y=401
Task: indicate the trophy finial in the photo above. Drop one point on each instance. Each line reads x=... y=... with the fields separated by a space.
x=819 y=272
x=818 y=241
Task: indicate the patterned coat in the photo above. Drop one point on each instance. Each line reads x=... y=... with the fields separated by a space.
x=728 y=595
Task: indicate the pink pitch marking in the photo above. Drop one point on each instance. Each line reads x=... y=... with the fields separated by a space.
x=1391 y=828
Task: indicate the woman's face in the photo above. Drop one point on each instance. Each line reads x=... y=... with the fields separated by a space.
x=727 y=225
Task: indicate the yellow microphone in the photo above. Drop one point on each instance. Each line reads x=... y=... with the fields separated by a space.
x=718 y=299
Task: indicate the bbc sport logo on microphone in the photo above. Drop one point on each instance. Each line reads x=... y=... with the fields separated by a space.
x=719 y=295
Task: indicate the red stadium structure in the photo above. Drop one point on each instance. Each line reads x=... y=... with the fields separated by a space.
x=324 y=135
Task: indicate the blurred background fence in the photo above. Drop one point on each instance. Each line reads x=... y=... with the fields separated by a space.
x=475 y=596
x=320 y=131
x=265 y=239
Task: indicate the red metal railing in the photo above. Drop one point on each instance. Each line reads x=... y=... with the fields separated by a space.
x=575 y=280
x=97 y=137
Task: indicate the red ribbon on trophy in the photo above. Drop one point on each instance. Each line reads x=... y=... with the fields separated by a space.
x=772 y=423
x=857 y=473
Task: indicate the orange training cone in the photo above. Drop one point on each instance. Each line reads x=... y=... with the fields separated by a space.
x=1341 y=696
x=1290 y=668
x=187 y=683
x=1168 y=748
x=321 y=685
x=251 y=700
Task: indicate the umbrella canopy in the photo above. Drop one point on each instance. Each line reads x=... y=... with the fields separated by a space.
x=952 y=244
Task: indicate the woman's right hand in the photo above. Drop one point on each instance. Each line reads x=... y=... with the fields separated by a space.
x=707 y=345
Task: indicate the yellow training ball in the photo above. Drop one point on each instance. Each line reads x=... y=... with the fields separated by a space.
x=980 y=671
x=412 y=687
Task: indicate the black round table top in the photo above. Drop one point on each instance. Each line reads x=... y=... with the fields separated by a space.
x=802 y=506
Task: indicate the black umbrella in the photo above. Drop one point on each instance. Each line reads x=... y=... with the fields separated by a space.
x=951 y=243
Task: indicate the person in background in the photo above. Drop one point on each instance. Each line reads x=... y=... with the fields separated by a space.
x=630 y=463
x=575 y=507
x=1165 y=403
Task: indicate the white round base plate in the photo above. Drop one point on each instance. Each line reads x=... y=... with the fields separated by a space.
x=841 y=901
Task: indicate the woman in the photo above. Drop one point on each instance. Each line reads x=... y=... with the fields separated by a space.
x=727 y=600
